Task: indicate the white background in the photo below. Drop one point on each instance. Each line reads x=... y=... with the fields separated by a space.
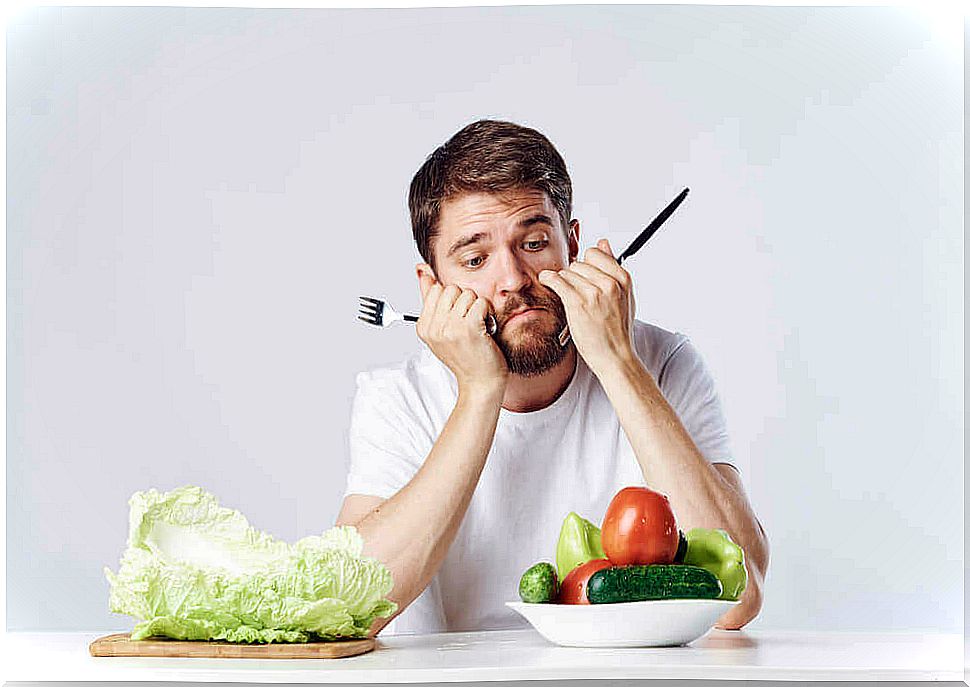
x=196 y=197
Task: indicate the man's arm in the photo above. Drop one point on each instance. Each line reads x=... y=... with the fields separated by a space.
x=598 y=296
x=703 y=495
x=411 y=531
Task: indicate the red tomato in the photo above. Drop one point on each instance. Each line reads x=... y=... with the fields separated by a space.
x=573 y=587
x=639 y=528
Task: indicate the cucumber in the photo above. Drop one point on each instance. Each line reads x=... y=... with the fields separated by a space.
x=539 y=584
x=650 y=582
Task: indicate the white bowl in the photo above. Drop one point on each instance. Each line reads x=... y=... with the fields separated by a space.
x=664 y=622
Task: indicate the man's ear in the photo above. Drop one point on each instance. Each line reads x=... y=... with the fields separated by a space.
x=572 y=239
x=423 y=269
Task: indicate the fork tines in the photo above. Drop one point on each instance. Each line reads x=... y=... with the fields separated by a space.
x=371 y=311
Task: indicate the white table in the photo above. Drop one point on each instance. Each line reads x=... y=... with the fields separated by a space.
x=518 y=655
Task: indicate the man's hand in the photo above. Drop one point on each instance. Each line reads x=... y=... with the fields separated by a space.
x=597 y=294
x=452 y=324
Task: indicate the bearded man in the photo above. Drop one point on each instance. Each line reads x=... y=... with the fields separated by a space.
x=466 y=457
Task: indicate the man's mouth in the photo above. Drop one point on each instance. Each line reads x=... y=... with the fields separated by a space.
x=523 y=312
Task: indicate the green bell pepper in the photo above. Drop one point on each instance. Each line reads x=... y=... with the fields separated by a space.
x=714 y=550
x=579 y=542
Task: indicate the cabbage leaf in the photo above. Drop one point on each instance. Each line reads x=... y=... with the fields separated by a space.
x=195 y=570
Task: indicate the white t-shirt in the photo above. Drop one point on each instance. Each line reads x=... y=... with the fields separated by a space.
x=569 y=456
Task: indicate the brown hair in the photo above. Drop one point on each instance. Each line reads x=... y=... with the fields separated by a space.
x=486 y=156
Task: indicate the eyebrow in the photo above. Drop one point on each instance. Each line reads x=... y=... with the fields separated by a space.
x=466 y=241
x=540 y=218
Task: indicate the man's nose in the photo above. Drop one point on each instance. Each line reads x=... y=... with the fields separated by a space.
x=513 y=273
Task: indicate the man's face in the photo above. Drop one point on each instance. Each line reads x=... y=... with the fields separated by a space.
x=496 y=245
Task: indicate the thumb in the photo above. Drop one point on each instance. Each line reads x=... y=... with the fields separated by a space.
x=604 y=246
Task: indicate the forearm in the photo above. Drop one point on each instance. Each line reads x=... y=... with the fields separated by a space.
x=668 y=458
x=412 y=531
x=671 y=463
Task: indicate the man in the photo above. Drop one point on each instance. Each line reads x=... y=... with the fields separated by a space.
x=466 y=457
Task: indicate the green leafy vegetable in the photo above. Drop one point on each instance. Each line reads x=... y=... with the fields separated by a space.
x=195 y=570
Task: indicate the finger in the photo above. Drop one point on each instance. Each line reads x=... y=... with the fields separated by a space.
x=477 y=313
x=608 y=264
x=604 y=246
x=431 y=291
x=596 y=277
x=446 y=302
x=464 y=301
x=430 y=301
x=424 y=283
x=554 y=280
x=588 y=290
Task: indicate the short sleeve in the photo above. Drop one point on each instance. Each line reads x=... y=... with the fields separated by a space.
x=387 y=445
x=687 y=384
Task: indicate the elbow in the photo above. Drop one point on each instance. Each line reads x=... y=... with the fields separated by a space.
x=402 y=604
x=752 y=598
x=379 y=625
x=744 y=612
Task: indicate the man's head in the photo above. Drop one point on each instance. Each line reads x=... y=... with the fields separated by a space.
x=490 y=209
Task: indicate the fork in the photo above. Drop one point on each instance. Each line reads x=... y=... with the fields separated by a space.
x=380 y=314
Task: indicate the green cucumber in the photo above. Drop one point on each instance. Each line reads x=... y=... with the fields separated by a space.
x=649 y=582
x=539 y=584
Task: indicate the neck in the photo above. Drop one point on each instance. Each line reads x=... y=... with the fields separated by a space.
x=527 y=394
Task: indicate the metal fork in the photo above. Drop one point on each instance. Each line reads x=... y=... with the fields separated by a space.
x=380 y=314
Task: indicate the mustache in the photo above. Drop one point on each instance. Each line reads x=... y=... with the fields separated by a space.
x=552 y=303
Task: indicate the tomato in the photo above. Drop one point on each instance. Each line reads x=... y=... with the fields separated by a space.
x=639 y=528
x=573 y=587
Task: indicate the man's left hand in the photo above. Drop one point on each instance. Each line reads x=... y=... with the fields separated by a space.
x=597 y=294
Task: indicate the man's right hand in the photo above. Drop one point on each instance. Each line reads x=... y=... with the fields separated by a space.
x=452 y=324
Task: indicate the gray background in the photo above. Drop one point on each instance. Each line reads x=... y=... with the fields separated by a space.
x=196 y=197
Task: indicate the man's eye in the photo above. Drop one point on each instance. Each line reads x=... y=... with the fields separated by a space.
x=540 y=244
x=469 y=263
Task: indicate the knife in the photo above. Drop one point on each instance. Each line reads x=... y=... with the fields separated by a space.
x=637 y=244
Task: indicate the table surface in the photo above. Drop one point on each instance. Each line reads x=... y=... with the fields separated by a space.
x=518 y=655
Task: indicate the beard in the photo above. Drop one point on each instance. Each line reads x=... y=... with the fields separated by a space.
x=532 y=348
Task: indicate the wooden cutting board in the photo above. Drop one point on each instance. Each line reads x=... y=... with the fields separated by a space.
x=121 y=645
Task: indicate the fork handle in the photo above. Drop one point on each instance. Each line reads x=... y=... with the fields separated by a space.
x=490 y=324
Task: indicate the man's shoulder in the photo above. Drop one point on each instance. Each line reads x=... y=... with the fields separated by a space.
x=416 y=373
x=655 y=345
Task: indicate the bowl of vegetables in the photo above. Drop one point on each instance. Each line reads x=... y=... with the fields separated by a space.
x=638 y=581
